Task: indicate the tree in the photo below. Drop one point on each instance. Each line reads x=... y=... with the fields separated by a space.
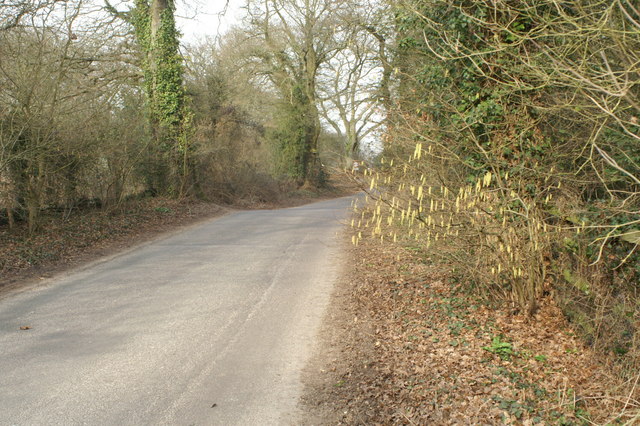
x=232 y=160
x=157 y=36
x=353 y=85
x=297 y=37
x=13 y=11
x=60 y=71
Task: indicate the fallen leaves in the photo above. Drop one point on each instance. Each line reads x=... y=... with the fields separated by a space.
x=425 y=340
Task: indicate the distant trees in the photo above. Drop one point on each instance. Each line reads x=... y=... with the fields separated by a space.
x=96 y=103
x=231 y=157
x=354 y=83
x=322 y=57
x=293 y=39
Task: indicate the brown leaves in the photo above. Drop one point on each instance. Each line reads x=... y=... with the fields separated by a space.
x=424 y=340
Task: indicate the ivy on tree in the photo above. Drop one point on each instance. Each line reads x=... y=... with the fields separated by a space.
x=157 y=36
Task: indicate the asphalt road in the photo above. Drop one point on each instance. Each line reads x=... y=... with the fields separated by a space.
x=209 y=326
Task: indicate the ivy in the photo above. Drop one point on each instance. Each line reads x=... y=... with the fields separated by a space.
x=162 y=65
x=289 y=137
x=163 y=82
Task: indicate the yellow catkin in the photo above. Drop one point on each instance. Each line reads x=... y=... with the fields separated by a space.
x=487 y=179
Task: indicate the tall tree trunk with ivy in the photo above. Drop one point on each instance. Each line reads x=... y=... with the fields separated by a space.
x=156 y=33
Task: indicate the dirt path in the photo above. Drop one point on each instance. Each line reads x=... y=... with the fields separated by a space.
x=403 y=344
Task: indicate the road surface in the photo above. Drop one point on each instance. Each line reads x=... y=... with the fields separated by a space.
x=211 y=326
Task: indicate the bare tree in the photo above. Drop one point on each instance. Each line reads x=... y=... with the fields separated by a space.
x=352 y=83
x=13 y=11
x=297 y=37
x=57 y=75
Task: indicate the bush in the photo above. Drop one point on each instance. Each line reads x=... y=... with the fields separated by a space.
x=513 y=153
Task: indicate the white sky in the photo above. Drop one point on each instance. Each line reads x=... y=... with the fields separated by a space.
x=203 y=18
